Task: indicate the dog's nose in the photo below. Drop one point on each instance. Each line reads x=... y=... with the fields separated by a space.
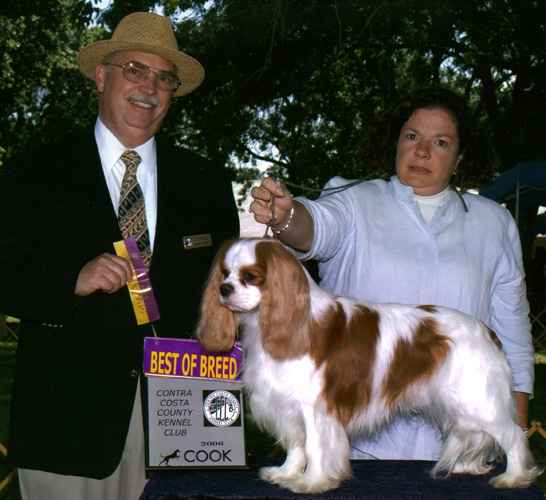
x=226 y=290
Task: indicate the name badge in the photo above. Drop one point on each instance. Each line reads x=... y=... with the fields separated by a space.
x=197 y=241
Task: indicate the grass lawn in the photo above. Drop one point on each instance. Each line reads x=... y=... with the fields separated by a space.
x=537 y=412
x=7 y=367
x=257 y=443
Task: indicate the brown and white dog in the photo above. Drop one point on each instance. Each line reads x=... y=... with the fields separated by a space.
x=318 y=367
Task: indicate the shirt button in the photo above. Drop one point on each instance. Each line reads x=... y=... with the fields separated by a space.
x=133 y=373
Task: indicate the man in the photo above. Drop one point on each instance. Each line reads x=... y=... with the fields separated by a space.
x=76 y=424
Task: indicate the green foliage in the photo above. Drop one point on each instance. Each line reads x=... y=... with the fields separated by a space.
x=39 y=83
x=291 y=84
x=297 y=83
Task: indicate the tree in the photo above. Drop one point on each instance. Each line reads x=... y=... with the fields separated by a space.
x=297 y=83
x=39 y=82
x=294 y=83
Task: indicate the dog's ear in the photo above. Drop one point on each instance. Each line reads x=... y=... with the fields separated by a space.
x=285 y=307
x=217 y=327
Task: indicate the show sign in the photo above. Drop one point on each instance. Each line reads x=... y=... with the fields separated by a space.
x=195 y=406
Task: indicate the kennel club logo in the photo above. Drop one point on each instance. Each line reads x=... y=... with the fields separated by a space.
x=221 y=408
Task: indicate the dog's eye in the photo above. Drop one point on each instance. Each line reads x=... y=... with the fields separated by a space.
x=225 y=273
x=249 y=277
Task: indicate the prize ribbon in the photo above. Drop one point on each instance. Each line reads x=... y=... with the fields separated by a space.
x=140 y=288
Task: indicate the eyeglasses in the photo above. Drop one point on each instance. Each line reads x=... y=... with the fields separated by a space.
x=137 y=72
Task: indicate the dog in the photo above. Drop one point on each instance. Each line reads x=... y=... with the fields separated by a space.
x=318 y=368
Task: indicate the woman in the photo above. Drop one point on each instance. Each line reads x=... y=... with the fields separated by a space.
x=417 y=240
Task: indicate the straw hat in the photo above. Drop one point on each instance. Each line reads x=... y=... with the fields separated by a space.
x=145 y=32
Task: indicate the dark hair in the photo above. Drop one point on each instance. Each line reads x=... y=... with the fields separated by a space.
x=380 y=141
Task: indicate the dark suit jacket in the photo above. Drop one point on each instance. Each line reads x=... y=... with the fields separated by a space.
x=79 y=358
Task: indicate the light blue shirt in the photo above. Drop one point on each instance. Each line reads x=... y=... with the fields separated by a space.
x=372 y=243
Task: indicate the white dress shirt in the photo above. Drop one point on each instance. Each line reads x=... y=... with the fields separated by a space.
x=110 y=151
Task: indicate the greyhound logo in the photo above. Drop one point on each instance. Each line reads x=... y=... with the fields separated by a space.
x=172 y=456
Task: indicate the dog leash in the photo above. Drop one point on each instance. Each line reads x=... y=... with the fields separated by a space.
x=329 y=191
x=335 y=190
x=272 y=224
x=326 y=192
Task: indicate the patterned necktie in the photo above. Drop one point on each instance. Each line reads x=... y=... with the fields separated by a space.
x=132 y=208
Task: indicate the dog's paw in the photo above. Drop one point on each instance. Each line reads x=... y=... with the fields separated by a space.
x=507 y=480
x=474 y=468
x=309 y=485
x=279 y=475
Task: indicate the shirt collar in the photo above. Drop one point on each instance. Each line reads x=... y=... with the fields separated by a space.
x=402 y=192
x=405 y=194
x=110 y=149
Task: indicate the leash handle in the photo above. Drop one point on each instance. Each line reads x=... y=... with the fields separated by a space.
x=272 y=223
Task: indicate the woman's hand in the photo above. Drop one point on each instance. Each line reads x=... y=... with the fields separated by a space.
x=290 y=219
x=262 y=206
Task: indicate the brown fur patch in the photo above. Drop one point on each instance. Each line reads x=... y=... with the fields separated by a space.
x=347 y=348
x=285 y=310
x=494 y=338
x=416 y=360
x=428 y=308
x=252 y=275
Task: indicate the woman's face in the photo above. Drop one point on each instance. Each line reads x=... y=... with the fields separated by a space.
x=427 y=151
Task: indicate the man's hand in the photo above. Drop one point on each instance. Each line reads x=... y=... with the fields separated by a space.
x=107 y=272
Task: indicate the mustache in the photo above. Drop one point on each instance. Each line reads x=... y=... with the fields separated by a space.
x=152 y=100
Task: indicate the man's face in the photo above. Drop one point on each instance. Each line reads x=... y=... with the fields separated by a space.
x=133 y=112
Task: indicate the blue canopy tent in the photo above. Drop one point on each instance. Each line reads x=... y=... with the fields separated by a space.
x=524 y=184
